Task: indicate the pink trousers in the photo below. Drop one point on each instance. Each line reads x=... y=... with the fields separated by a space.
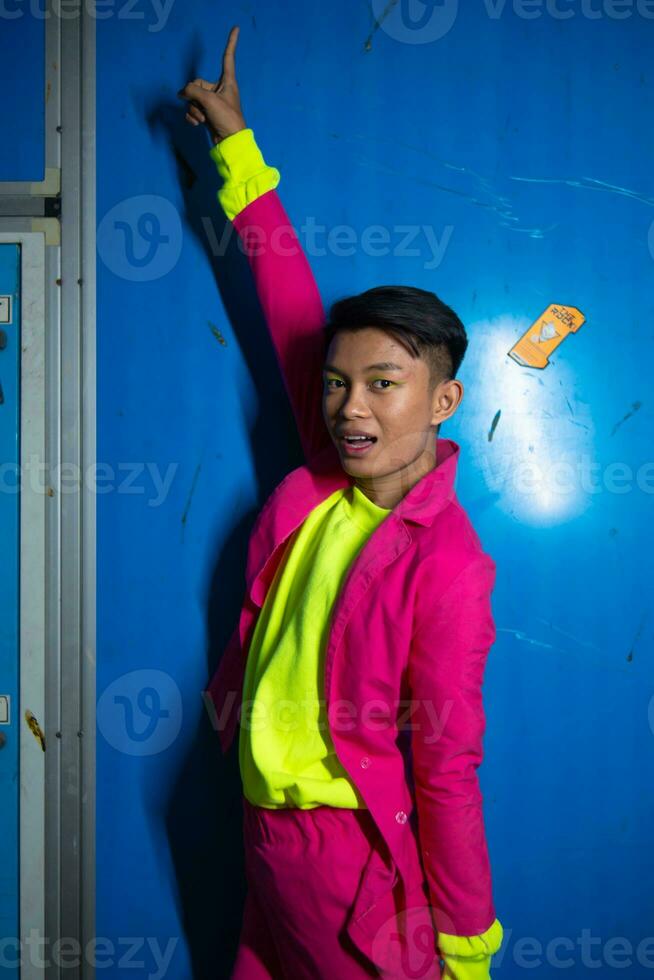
x=305 y=871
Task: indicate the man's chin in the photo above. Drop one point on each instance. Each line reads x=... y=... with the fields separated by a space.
x=355 y=468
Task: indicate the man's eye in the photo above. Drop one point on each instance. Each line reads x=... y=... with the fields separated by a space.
x=336 y=382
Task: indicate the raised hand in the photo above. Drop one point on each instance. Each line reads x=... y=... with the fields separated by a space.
x=217 y=104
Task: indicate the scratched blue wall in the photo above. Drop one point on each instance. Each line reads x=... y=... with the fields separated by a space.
x=22 y=73
x=519 y=152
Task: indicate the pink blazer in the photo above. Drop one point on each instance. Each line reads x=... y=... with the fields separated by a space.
x=410 y=632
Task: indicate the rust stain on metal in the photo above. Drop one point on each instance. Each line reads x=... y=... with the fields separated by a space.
x=35 y=728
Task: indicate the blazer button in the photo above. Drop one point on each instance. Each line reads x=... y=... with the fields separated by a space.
x=365 y=762
x=401 y=816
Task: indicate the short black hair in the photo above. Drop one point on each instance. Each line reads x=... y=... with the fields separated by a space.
x=425 y=325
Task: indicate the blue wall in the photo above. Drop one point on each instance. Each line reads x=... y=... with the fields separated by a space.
x=24 y=96
x=522 y=148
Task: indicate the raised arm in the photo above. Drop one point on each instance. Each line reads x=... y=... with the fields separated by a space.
x=285 y=285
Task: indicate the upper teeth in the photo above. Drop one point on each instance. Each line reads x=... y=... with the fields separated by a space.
x=356 y=437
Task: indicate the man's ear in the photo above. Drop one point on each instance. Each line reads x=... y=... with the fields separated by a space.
x=447 y=397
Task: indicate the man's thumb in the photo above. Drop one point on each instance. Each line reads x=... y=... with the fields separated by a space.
x=194 y=92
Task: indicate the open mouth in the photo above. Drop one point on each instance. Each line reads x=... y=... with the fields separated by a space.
x=356 y=445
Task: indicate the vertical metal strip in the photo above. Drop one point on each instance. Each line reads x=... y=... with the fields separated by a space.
x=76 y=499
x=53 y=679
x=89 y=456
x=53 y=829
x=69 y=483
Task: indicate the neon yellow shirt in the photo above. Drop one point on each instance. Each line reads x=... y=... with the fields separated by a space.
x=286 y=755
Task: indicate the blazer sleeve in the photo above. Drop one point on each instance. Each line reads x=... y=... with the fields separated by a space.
x=285 y=285
x=450 y=644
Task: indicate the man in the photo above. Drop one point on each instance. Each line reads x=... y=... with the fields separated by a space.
x=366 y=618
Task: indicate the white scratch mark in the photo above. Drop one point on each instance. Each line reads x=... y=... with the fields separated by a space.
x=519 y=635
x=591 y=184
x=570 y=636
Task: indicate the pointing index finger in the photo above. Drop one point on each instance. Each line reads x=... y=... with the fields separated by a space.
x=229 y=71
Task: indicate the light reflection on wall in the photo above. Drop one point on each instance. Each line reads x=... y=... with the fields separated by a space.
x=539 y=462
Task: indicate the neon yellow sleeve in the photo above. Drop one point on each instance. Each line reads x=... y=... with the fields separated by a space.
x=469 y=957
x=246 y=175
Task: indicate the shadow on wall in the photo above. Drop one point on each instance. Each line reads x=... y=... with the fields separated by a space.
x=203 y=821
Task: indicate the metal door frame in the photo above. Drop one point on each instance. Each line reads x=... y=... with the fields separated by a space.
x=32 y=587
x=54 y=220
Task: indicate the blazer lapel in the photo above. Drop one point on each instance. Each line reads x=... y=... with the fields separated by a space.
x=287 y=507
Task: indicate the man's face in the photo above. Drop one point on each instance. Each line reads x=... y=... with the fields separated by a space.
x=394 y=404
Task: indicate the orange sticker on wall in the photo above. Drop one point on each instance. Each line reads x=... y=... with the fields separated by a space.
x=545 y=334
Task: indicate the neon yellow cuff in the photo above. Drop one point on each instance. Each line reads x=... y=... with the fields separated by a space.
x=245 y=173
x=472 y=947
x=458 y=968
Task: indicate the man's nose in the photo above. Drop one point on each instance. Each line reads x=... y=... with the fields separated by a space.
x=354 y=403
